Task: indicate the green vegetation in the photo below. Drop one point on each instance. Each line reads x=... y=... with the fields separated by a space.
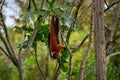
x=79 y=27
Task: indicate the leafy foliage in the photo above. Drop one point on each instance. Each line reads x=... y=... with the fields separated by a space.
x=79 y=28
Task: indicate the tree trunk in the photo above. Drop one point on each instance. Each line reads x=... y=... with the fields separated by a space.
x=99 y=39
x=20 y=70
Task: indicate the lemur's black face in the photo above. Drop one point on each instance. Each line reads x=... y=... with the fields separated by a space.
x=56 y=56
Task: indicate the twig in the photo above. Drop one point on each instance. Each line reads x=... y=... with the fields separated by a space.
x=109 y=6
x=36 y=58
x=81 y=43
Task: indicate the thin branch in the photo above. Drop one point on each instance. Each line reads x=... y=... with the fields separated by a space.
x=56 y=72
x=75 y=10
x=67 y=47
x=7 y=36
x=109 y=6
x=113 y=54
x=113 y=26
x=114 y=48
x=106 y=3
x=47 y=66
x=70 y=67
x=74 y=13
x=8 y=49
x=6 y=45
x=1 y=6
x=46 y=0
x=29 y=4
x=89 y=70
x=84 y=12
x=70 y=59
x=78 y=47
x=32 y=38
x=35 y=5
x=84 y=60
x=36 y=58
x=93 y=65
x=5 y=52
x=42 y=3
x=53 y=1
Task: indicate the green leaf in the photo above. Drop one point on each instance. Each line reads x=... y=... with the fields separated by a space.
x=43 y=12
x=64 y=54
x=64 y=68
x=24 y=44
x=63 y=60
x=42 y=33
x=28 y=29
x=50 y=5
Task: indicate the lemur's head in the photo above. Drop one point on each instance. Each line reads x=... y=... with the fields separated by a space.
x=56 y=56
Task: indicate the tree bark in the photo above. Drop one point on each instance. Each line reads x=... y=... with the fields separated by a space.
x=99 y=39
x=20 y=70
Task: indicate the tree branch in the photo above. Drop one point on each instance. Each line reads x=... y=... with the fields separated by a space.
x=7 y=36
x=109 y=6
x=1 y=6
x=89 y=70
x=56 y=72
x=70 y=59
x=74 y=13
x=35 y=5
x=81 y=43
x=36 y=59
x=84 y=60
x=29 y=4
x=42 y=3
x=8 y=49
x=5 y=52
x=53 y=1
x=113 y=26
x=32 y=37
x=113 y=54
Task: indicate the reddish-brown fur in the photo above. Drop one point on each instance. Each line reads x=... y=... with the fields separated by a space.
x=55 y=47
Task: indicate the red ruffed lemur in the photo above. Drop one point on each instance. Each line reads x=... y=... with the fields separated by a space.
x=54 y=40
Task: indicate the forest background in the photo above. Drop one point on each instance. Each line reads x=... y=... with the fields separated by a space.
x=90 y=32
